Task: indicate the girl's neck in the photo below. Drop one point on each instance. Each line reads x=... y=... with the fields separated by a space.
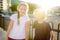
x=21 y=15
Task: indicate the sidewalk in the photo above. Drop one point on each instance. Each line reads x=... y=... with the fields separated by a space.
x=2 y=34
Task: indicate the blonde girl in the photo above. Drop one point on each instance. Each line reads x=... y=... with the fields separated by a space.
x=42 y=28
x=19 y=24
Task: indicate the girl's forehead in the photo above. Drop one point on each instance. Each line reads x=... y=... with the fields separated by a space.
x=39 y=13
x=22 y=6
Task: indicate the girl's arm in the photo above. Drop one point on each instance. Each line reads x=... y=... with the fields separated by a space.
x=27 y=29
x=9 y=28
x=53 y=35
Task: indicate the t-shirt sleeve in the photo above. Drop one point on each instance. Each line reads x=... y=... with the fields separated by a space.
x=27 y=18
x=12 y=17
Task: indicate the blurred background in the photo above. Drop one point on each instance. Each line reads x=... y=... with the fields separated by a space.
x=8 y=7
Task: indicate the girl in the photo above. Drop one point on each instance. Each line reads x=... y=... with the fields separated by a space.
x=19 y=24
x=42 y=28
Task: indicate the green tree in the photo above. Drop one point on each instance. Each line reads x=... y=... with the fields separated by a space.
x=14 y=7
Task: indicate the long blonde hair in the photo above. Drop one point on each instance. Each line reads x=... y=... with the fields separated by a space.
x=18 y=16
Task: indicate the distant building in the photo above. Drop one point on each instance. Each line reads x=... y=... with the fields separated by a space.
x=4 y=5
x=1 y=6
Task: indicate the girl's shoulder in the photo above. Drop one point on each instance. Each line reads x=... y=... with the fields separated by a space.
x=26 y=17
x=13 y=16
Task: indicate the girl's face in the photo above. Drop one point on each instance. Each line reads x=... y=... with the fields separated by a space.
x=40 y=16
x=22 y=9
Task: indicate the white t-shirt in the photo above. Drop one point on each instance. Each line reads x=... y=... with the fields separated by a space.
x=18 y=31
